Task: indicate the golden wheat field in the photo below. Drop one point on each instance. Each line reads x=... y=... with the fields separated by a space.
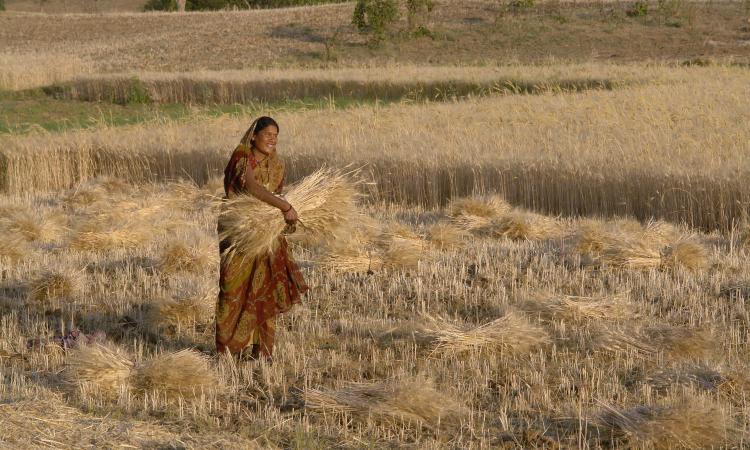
x=542 y=254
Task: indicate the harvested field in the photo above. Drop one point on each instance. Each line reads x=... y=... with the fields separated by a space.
x=464 y=348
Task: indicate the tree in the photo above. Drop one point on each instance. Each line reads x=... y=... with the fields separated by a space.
x=375 y=17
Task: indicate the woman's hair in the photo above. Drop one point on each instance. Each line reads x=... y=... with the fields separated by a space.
x=256 y=127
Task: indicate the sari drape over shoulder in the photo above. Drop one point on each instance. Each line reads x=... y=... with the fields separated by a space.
x=253 y=292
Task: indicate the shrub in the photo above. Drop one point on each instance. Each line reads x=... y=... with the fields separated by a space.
x=138 y=92
x=160 y=5
x=417 y=10
x=521 y=4
x=2 y=5
x=375 y=17
x=638 y=9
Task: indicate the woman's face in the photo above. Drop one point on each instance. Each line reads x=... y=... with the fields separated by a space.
x=265 y=139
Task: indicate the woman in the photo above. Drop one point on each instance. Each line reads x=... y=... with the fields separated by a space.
x=252 y=293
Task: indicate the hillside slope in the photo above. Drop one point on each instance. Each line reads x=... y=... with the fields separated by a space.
x=465 y=33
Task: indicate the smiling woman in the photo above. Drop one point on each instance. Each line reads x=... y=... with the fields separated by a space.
x=252 y=291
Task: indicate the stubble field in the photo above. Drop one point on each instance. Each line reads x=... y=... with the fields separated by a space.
x=547 y=256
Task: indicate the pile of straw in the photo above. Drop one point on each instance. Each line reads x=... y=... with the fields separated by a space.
x=393 y=254
x=352 y=260
x=118 y=224
x=680 y=342
x=325 y=202
x=370 y=246
x=179 y=257
x=620 y=340
x=675 y=342
x=473 y=213
x=403 y=253
x=660 y=233
x=686 y=422
x=519 y=225
x=574 y=308
x=630 y=253
x=123 y=238
x=625 y=244
x=32 y=227
x=511 y=333
x=182 y=373
x=744 y=236
x=52 y=285
x=108 y=369
x=410 y=402
x=95 y=191
x=591 y=237
x=175 y=314
x=13 y=247
x=685 y=253
x=705 y=378
x=445 y=236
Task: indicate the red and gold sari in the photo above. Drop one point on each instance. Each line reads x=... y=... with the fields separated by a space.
x=252 y=293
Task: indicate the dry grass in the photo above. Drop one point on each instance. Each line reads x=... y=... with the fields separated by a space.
x=401 y=402
x=23 y=70
x=686 y=423
x=325 y=202
x=393 y=248
x=403 y=253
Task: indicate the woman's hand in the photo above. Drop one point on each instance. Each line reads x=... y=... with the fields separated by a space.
x=291 y=216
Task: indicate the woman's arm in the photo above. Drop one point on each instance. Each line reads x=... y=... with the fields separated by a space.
x=259 y=191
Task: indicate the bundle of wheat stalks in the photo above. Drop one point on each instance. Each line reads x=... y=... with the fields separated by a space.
x=511 y=333
x=577 y=308
x=674 y=342
x=686 y=422
x=403 y=402
x=110 y=370
x=325 y=202
x=494 y=217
